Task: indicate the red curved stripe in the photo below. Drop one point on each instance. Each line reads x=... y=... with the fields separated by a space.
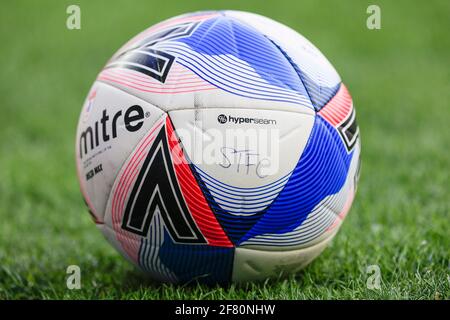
x=338 y=108
x=194 y=197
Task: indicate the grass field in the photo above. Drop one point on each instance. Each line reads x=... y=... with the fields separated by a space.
x=399 y=77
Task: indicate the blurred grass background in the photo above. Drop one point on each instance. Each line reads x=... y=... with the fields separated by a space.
x=399 y=78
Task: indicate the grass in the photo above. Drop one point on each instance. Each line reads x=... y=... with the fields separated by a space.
x=399 y=77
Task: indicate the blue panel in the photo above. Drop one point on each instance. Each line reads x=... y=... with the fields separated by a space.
x=224 y=35
x=228 y=36
x=320 y=172
x=205 y=263
x=173 y=262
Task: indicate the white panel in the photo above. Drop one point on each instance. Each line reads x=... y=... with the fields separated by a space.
x=245 y=157
x=104 y=114
x=254 y=265
x=110 y=236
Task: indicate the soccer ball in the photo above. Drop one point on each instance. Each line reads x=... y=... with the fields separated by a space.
x=218 y=146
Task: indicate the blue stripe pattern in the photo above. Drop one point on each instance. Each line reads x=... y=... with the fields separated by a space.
x=239 y=59
x=204 y=263
x=235 y=226
x=149 y=252
x=167 y=261
x=241 y=201
x=321 y=171
x=317 y=222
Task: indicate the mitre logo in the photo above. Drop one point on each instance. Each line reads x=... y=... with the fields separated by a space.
x=105 y=128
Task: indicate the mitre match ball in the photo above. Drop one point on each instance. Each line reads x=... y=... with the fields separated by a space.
x=218 y=146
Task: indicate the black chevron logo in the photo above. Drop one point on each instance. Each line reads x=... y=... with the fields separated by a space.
x=144 y=58
x=156 y=190
x=349 y=131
